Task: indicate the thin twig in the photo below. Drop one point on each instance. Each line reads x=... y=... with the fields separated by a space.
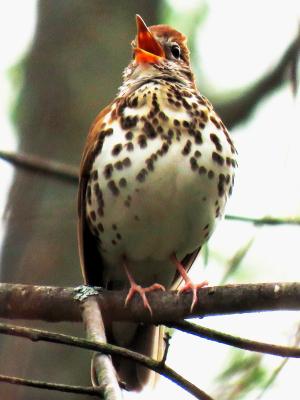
x=42 y=165
x=167 y=372
x=167 y=338
x=103 y=373
x=265 y=220
x=241 y=343
x=55 y=304
x=50 y=386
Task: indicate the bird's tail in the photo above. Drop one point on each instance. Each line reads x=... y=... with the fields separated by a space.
x=148 y=340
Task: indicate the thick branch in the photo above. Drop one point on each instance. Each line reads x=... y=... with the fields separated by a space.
x=58 y=304
x=157 y=366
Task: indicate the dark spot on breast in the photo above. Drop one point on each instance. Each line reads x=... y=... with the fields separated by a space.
x=116 y=149
x=216 y=141
x=118 y=235
x=163 y=116
x=142 y=141
x=214 y=121
x=107 y=172
x=186 y=124
x=113 y=188
x=202 y=170
x=176 y=122
x=122 y=182
x=128 y=122
x=170 y=133
x=210 y=174
x=129 y=135
x=100 y=227
x=150 y=164
x=163 y=150
x=198 y=137
x=114 y=242
x=129 y=146
x=93 y=215
x=149 y=130
x=126 y=162
x=99 y=196
x=94 y=175
x=155 y=121
x=203 y=115
x=185 y=104
x=141 y=176
x=108 y=132
x=119 y=165
x=187 y=148
x=127 y=203
x=194 y=164
x=197 y=154
x=114 y=226
x=159 y=129
x=221 y=185
x=217 y=158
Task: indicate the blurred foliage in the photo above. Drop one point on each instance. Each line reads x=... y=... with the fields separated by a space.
x=243 y=373
x=235 y=262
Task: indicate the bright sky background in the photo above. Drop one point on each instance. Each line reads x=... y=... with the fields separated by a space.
x=238 y=42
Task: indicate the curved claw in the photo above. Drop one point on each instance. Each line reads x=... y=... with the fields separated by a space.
x=194 y=287
x=134 y=288
x=189 y=285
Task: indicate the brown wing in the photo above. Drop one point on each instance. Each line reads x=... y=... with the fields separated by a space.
x=90 y=257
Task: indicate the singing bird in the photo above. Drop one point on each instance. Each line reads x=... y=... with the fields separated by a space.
x=156 y=172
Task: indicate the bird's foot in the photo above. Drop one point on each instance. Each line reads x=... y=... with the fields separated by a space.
x=134 y=288
x=189 y=285
x=82 y=292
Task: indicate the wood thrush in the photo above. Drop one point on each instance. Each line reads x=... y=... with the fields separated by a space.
x=157 y=169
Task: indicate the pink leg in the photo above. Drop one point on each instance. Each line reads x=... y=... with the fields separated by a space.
x=189 y=285
x=134 y=288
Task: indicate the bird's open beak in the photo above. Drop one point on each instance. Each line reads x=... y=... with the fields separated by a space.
x=148 y=49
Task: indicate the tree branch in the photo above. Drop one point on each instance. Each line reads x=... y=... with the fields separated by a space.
x=105 y=348
x=103 y=372
x=241 y=343
x=51 y=168
x=55 y=304
x=265 y=220
x=240 y=108
x=50 y=386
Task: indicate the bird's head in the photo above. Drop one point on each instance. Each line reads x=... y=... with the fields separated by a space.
x=159 y=51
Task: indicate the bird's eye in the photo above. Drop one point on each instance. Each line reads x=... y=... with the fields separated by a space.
x=175 y=50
